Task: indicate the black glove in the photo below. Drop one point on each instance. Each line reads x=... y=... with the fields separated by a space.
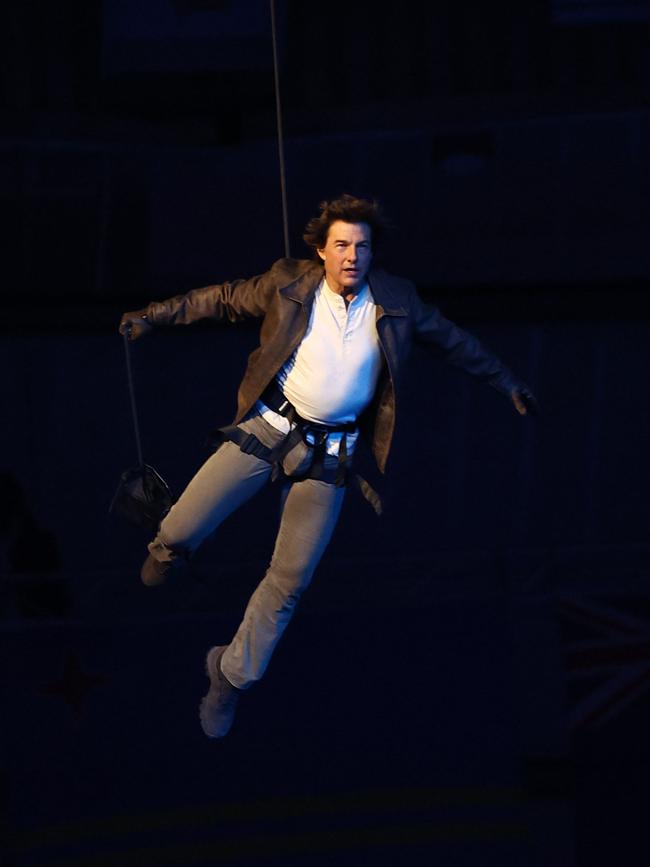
x=525 y=401
x=135 y=324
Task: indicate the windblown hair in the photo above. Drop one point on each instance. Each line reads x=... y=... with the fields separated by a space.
x=349 y=209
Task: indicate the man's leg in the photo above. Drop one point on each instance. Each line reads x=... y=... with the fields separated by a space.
x=225 y=481
x=310 y=513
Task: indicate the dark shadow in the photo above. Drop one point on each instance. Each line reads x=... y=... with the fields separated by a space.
x=30 y=555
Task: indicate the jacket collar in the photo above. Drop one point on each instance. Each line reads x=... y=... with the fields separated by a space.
x=385 y=292
x=303 y=287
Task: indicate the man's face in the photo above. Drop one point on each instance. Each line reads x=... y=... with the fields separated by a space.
x=347 y=254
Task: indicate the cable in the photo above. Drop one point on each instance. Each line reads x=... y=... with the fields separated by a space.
x=278 y=112
x=134 y=412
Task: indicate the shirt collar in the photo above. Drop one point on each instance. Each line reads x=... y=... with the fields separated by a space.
x=361 y=295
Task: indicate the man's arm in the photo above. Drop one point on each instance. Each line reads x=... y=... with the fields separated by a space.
x=234 y=301
x=462 y=349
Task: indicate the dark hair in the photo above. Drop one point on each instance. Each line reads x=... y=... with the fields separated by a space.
x=349 y=209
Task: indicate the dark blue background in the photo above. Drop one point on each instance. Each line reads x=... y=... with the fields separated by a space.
x=466 y=681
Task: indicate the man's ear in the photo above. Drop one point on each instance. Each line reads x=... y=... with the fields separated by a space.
x=321 y=253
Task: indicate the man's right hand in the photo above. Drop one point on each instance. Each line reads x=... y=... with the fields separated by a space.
x=135 y=324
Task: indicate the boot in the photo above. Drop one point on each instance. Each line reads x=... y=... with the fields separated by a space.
x=155 y=572
x=217 y=710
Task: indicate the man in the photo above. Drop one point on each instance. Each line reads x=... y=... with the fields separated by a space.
x=334 y=337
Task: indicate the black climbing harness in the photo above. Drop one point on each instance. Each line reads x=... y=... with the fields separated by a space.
x=312 y=434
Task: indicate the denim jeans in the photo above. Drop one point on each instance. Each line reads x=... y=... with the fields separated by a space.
x=309 y=514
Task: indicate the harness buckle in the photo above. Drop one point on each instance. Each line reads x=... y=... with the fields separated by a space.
x=319 y=436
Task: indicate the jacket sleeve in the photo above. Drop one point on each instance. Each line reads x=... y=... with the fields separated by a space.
x=460 y=348
x=234 y=301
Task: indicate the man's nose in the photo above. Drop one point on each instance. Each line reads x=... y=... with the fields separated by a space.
x=352 y=254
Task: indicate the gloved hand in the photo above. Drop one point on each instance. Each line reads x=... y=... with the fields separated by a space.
x=524 y=401
x=135 y=324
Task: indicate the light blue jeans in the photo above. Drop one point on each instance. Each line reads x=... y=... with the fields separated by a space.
x=309 y=514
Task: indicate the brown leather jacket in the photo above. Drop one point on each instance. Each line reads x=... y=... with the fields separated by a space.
x=283 y=296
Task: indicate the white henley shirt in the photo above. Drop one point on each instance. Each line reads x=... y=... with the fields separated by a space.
x=332 y=375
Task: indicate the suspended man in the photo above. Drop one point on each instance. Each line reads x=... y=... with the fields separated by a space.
x=321 y=386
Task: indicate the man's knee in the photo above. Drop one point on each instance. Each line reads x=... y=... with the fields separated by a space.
x=288 y=583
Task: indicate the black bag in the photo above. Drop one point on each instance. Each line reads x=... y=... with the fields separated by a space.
x=142 y=497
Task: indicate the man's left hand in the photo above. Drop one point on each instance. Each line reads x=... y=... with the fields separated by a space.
x=524 y=401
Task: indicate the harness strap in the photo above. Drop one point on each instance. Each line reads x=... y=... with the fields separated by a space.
x=275 y=399
x=314 y=435
x=251 y=445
